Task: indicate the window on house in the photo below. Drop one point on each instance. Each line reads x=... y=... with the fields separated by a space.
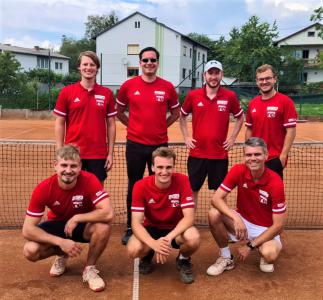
x=184 y=73
x=298 y=54
x=42 y=62
x=305 y=54
x=184 y=50
x=137 y=24
x=58 y=66
x=189 y=74
x=191 y=52
x=203 y=58
x=132 y=71
x=198 y=76
x=133 y=49
x=311 y=33
x=198 y=56
x=305 y=76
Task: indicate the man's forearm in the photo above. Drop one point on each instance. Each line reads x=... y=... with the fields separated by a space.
x=142 y=234
x=36 y=234
x=288 y=141
x=237 y=127
x=123 y=118
x=248 y=134
x=183 y=126
x=181 y=226
x=95 y=216
x=174 y=115
x=111 y=130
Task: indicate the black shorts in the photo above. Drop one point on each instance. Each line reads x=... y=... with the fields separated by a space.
x=57 y=228
x=199 y=168
x=157 y=233
x=275 y=165
x=96 y=167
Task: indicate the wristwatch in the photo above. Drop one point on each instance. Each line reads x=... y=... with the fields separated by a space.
x=250 y=245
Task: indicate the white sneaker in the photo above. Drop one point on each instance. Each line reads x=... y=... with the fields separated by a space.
x=222 y=264
x=265 y=267
x=59 y=266
x=95 y=282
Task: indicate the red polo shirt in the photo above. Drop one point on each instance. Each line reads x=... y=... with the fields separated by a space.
x=148 y=104
x=64 y=204
x=268 y=119
x=86 y=113
x=210 y=120
x=162 y=207
x=256 y=201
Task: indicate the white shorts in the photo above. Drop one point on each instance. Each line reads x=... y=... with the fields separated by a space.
x=253 y=231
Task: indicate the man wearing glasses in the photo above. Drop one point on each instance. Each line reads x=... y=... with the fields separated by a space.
x=272 y=117
x=148 y=98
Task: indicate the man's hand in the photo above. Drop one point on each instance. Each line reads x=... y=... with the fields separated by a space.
x=228 y=144
x=189 y=142
x=240 y=229
x=283 y=159
x=70 y=226
x=108 y=163
x=70 y=247
x=163 y=249
x=243 y=252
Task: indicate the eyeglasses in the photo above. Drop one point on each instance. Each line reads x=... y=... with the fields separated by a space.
x=264 y=79
x=152 y=60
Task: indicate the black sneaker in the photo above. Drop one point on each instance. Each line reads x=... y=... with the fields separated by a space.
x=185 y=270
x=126 y=236
x=146 y=265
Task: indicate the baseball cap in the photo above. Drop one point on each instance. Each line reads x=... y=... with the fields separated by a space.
x=213 y=64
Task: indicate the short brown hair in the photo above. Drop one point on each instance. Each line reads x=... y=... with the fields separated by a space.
x=256 y=142
x=164 y=152
x=69 y=151
x=91 y=55
x=264 y=68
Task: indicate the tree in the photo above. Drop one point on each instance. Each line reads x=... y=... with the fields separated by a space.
x=216 y=48
x=317 y=16
x=249 y=47
x=96 y=24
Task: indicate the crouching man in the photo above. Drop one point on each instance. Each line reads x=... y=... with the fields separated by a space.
x=260 y=213
x=79 y=212
x=163 y=217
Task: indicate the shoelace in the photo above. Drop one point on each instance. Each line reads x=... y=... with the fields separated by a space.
x=91 y=273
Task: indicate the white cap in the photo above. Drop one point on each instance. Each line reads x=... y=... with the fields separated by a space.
x=213 y=64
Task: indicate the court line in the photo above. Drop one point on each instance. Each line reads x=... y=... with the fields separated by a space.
x=17 y=134
x=135 y=283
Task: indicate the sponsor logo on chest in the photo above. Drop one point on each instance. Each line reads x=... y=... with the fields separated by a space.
x=99 y=100
x=77 y=201
x=159 y=96
x=174 y=199
x=263 y=197
x=222 y=105
x=271 y=111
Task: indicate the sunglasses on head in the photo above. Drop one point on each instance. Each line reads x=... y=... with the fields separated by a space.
x=153 y=60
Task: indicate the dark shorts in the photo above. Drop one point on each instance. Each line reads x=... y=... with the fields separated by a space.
x=157 y=233
x=275 y=165
x=57 y=228
x=199 y=168
x=96 y=167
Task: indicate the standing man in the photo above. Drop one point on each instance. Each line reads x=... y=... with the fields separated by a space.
x=272 y=117
x=79 y=212
x=163 y=217
x=211 y=107
x=260 y=213
x=85 y=116
x=148 y=98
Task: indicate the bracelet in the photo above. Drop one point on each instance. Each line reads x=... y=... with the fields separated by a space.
x=250 y=245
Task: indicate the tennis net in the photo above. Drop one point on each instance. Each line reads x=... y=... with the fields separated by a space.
x=23 y=164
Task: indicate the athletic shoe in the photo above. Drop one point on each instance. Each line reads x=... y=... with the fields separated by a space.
x=145 y=264
x=126 y=236
x=59 y=266
x=95 y=282
x=185 y=270
x=222 y=264
x=265 y=267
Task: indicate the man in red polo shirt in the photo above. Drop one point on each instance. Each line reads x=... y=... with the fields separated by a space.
x=272 y=117
x=211 y=107
x=260 y=212
x=148 y=98
x=163 y=217
x=85 y=116
x=79 y=212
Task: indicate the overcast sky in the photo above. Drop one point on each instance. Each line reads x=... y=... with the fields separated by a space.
x=28 y=23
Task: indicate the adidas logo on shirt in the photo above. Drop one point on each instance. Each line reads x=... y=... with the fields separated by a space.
x=56 y=203
x=254 y=110
x=245 y=185
x=136 y=93
x=77 y=100
x=200 y=104
x=151 y=201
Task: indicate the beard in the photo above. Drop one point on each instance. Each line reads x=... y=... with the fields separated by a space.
x=212 y=85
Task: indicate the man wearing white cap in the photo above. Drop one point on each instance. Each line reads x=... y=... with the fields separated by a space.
x=209 y=144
